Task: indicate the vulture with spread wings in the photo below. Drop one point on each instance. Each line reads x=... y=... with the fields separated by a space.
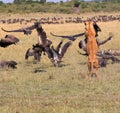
x=35 y=51
x=56 y=54
x=42 y=36
x=8 y=40
x=26 y=31
x=72 y=37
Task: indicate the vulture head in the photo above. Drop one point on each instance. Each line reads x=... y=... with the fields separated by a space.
x=37 y=25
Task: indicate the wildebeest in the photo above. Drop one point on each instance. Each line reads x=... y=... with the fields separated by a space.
x=8 y=64
x=56 y=54
x=8 y=40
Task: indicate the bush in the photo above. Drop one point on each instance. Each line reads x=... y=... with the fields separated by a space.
x=59 y=7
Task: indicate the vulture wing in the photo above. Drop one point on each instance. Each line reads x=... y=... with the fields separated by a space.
x=60 y=36
x=29 y=52
x=59 y=46
x=69 y=37
x=49 y=52
x=78 y=35
x=72 y=37
x=97 y=28
x=26 y=31
x=64 y=49
x=55 y=53
x=42 y=36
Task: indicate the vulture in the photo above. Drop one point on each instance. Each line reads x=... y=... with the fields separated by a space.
x=11 y=64
x=82 y=43
x=104 y=56
x=8 y=40
x=42 y=37
x=109 y=56
x=114 y=52
x=72 y=37
x=56 y=54
x=102 y=62
x=26 y=31
x=35 y=51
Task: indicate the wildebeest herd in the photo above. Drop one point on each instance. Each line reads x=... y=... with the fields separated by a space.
x=44 y=45
x=61 y=20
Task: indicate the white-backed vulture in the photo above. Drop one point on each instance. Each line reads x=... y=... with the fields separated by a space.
x=56 y=55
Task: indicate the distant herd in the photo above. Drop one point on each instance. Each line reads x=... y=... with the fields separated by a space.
x=61 y=20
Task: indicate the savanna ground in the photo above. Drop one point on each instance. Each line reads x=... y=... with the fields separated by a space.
x=43 y=88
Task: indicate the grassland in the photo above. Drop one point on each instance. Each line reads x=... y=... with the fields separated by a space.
x=42 y=88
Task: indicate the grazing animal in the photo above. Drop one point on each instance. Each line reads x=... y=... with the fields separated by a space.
x=8 y=40
x=56 y=54
x=72 y=37
x=11 y=64
x=92 y=48
x=36 y=51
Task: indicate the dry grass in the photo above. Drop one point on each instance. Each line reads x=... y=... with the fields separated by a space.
x=42 y=88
